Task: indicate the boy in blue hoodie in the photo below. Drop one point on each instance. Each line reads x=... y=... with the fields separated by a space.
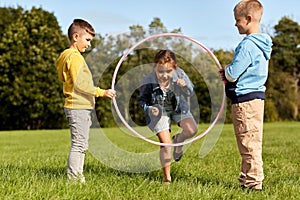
x=245 y=77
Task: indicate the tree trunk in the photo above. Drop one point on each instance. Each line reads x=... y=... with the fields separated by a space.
x=296 y=99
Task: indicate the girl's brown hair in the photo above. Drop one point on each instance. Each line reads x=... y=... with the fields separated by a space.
x=165 y=56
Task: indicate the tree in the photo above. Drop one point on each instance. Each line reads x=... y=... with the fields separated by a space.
x=286 y=60
x=156 y=26
x=30 y=94
x=8 y=16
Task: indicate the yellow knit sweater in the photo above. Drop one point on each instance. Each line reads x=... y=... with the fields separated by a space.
x=78 y=86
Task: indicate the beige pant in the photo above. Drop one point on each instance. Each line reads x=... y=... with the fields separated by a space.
x=248 y=126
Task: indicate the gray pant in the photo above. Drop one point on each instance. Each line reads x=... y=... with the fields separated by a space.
x=79 y=122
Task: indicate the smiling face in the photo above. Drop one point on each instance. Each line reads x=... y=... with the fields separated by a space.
x=247 y=14
x=80 y=34
x=82 y=41
x=241 y=22
x=164 y=67
x=164 y=73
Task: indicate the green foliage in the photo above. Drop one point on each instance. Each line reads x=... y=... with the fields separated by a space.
x=225 y=58
x=286 y=50
x=8 y=16
x=285 y=69
x=31 y=96
x=271 y=114
x=280 y=96
x=29 y=91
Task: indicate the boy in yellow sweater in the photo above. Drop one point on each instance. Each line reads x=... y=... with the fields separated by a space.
x=80 y=93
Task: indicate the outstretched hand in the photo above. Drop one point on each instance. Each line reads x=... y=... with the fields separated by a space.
x=110 y=93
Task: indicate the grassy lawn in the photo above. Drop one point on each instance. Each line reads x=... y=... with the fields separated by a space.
x=33 y=166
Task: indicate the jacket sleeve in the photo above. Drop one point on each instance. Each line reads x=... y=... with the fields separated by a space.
x=189 y=88
x=144 y=98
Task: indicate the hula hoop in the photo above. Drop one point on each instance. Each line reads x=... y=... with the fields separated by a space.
x=136 y=133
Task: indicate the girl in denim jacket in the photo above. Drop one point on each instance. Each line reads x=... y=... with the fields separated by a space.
x=164 y=97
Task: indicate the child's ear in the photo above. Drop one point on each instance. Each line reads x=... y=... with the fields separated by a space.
x=75 y=37
x=249 y=19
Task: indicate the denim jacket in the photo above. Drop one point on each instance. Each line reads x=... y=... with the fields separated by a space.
x=152 y=95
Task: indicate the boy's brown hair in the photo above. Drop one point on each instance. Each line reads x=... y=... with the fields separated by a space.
x=249 y=7
x=78 y=26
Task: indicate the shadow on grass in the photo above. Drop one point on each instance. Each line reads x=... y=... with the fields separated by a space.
x=178 y=176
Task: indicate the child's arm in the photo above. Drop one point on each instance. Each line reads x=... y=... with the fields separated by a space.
x=144 y=98
x=110 y=93
x=239 y=65
x=183 y=81
x=82 y=79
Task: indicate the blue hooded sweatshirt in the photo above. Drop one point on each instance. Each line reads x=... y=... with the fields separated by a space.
x=248 y=72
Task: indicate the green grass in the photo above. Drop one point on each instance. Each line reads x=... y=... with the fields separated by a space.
x=33 y=166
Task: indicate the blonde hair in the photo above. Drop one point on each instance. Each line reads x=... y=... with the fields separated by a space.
x=249 y=7
x=79 y=26
x=165 y=57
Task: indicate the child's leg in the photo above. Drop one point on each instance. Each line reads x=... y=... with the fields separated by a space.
x=80 y=122
x=165 y=153
x=189 y=129
x=248 y=126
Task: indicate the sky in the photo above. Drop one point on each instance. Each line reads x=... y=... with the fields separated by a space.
x=210 y=22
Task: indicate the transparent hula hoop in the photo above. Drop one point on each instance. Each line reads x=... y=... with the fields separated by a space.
x=203 y=133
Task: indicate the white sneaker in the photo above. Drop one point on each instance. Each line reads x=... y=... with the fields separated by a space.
x=76 y=178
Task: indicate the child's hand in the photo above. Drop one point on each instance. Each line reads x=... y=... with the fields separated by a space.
x=181 y=82
x=110 y=93
x=155 y=111
x=222 y=74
